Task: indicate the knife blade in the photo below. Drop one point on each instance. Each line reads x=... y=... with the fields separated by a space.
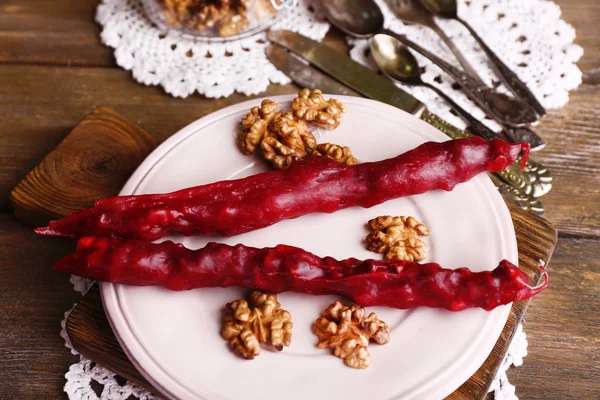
x=346 y=71
x=302 y=73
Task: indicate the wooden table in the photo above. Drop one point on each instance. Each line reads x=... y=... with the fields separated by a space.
x=53 y=70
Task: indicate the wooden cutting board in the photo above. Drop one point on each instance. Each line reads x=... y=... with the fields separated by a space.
x=95 y=160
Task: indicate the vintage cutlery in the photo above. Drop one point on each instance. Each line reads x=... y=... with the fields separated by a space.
x=513 y=187
x=412 y=12
x=397 y=62
x=448 y=9
x=363 y=19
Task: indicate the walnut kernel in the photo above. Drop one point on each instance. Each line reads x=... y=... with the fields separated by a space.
x=255 y=124
x=287 y=140
x=266 y=322
x=312 y=107
x=398 y=238
x=348 y=331
x=228 y=16
x=338 y=153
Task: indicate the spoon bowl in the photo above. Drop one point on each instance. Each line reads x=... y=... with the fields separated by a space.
x=364 y=19
x=395 y=60
x=358 y=18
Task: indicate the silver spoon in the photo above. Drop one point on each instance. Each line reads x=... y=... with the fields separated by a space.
x=412 y=12
x=449 y=9
x=363 y=19
x=397 y=62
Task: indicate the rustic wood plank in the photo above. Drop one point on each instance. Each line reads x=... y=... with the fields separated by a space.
x=584 y=15
x=33 y=300
x=572 y=153
x=40 y=105
x=94 y=161
x=63 y=32
x=52 y=32
x=563 y=328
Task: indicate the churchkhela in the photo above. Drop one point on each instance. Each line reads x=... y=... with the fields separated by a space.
x=391 y=283
x=314 y=185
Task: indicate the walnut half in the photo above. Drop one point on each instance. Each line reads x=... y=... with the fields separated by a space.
x=348 y=331
x=338 y=153
x=255 y=124
x=247 y=325
x=312 y=107
x=287 y=140
x=398 y=238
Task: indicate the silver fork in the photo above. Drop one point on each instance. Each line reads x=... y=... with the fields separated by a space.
x=413 y=13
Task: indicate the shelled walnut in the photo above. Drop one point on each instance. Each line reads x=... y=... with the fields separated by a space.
x=312 y=107
x=287 y=140
x=227 y=17
x=255 y=124
x=338 y=153
x=398 y=237
x=247 y=325
x=348 y=331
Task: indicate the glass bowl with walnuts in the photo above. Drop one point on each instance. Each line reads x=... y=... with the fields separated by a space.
x=215 y=19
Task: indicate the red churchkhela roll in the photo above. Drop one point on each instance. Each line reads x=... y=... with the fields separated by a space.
x=391 y=283
x=314 y=185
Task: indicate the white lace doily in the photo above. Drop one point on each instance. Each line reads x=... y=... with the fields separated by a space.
x=528 y=35
x=183 y=66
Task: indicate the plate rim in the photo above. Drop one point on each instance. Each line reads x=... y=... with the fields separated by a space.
x=109 y=295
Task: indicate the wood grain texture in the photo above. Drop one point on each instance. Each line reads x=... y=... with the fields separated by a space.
x=91 y=335
x=93 y=161
x=563 y=328
x=52 y=32
x=33 y=300
x=41 y=104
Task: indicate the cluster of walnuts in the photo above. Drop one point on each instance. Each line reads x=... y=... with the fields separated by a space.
x=284 y=137
x=261 y=320
x=226 y=17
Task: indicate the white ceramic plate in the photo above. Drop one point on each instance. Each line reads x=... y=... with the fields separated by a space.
x=173 y=338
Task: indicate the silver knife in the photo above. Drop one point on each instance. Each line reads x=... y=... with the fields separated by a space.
x=536 y=178
x=509 y=182
x=349 y=73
